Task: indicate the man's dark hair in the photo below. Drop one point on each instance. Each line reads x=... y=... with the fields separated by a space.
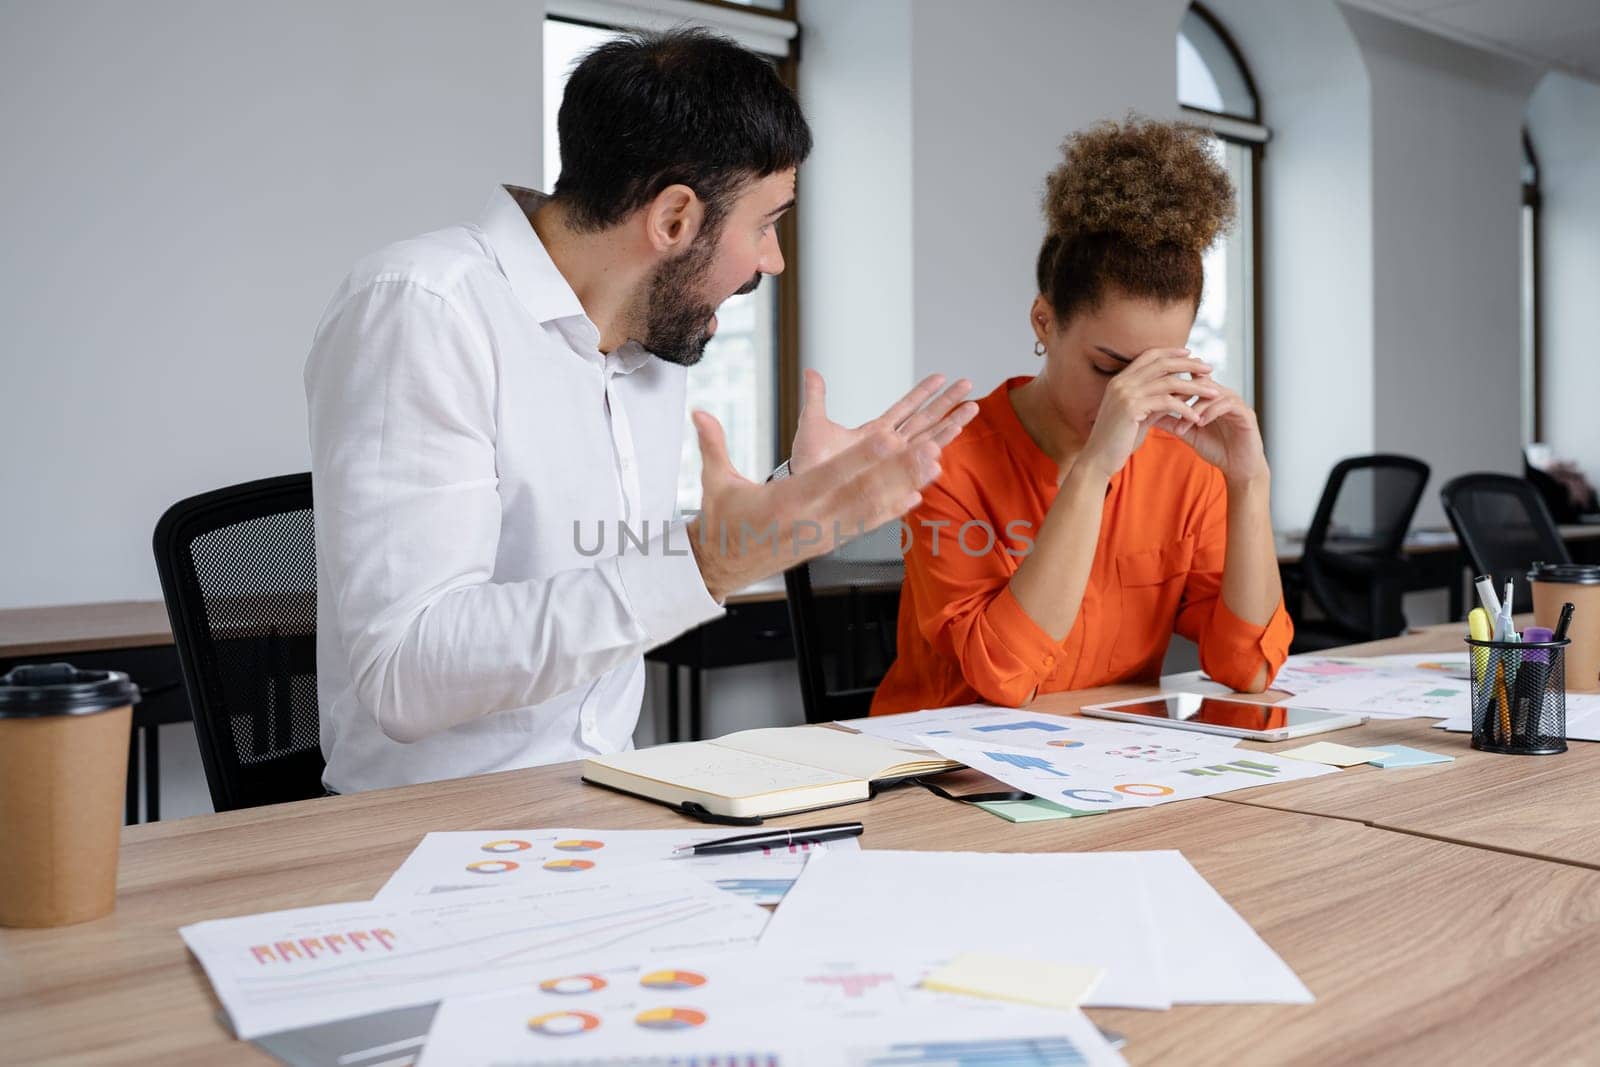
x=686 y=107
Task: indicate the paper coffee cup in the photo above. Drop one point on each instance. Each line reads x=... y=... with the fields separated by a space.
x=63 y=772
x=1555 y=584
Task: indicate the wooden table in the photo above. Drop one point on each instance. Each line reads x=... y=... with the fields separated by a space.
x=1419 y=950
x=131 y=636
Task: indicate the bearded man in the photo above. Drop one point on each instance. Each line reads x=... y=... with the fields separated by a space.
x=478 y=394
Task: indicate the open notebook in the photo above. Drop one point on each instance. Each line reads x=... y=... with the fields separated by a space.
x=756 y=773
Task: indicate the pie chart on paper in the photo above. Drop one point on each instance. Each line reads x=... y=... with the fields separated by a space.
x=670 y=1018
x=572 y=984
x=579 y=846
x=563 y=1023
x=673 y=980
x=568 y=866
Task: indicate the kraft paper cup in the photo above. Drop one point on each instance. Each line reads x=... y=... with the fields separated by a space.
x=63 y=773
x=1555 y=584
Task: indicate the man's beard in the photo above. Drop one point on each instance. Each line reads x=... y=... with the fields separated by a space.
x=677 y=319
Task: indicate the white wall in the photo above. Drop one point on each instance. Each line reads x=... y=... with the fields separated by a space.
x=1316 y=206
x=1447 y=196
x=936 y=122
x=857 y=255
x=185 y=185
x=995 y=88
x=1564 y=121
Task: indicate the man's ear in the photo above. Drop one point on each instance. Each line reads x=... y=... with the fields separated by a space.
x=673 y=219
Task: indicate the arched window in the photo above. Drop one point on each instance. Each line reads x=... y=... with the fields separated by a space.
x=1215 y=90
x=1532 y=408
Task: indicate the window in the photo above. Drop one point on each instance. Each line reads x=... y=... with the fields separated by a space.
x=749 y=378
x=1532 y=407
x=1216 y=91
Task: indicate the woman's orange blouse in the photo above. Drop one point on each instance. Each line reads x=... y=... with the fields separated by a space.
x=964 y=638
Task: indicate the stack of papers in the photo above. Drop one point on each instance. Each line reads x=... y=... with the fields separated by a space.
x=1382 y=687
x=500 y=859
x=758 y=1009
x=614 y=952
x=1157 y=928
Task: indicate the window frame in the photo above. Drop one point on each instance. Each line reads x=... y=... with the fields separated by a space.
x=1533 y=199
x=1250 y=133
x=786 y=371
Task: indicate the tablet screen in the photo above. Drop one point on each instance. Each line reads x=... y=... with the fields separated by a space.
x=1216 y=711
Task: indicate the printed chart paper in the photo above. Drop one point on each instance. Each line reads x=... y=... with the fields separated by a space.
x=1087 y=908
x=286 y=969
x=1090 y=779
x=1094 y=909
x=447 y=861
x=1022 y=729
x=1384 y=697
x=757 y=1009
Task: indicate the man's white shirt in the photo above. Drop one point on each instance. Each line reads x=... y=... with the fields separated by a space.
x=470 y=447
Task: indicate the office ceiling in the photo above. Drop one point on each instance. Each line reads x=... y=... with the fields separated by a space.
x=1564 y=34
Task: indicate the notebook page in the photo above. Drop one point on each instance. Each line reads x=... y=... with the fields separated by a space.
x=855 y=755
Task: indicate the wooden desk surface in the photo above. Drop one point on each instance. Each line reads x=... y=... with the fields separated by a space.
x=63 y=629
x=1292 y=548
x=1532 y=805
x=1417 y=950
x=69 y=628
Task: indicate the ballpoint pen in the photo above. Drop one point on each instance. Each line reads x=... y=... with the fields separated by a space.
x=800 y=835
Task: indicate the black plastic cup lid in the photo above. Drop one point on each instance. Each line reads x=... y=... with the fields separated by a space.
x=44 y=689
x=1570 y=573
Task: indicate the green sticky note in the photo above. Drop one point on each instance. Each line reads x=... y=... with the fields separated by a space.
x=1031 y=810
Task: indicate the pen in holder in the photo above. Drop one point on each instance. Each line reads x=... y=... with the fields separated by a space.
x=1519 y=696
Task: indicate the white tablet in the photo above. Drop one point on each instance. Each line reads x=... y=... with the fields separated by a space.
x=1219 y=715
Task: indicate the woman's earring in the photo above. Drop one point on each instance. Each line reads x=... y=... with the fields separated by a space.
x=1038 y=348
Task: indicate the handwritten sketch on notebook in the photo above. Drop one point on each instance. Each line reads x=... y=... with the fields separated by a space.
x=453 y=860
x=295 y=968
x=754 y=1008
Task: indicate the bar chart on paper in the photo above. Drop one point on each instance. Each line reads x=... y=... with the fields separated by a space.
x=312 y=965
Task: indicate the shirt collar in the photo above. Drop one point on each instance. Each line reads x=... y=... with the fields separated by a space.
x=1020 y=442
x=534 y=276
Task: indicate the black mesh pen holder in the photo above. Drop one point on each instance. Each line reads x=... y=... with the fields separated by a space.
x=1519 y=696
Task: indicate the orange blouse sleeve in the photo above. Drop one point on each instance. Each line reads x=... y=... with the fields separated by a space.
x=966 y=610
x=1231 y=649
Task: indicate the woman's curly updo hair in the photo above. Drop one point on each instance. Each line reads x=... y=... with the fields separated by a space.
x=1132 y=207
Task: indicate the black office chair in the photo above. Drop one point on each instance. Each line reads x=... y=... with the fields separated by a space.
x=1352 y=564
x=843 y=609
x=1504 y=527
x=239 y=573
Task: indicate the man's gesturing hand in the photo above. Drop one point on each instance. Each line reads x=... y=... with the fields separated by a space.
x=922 y=414
x=747 y=530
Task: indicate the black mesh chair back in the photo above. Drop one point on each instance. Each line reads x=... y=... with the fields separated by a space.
x=843 y=609
x=239 y=573
x=1504 y=527
x=1352 y=563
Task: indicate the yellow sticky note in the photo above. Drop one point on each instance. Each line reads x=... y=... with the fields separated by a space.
x=1333 y=755
x=1022 y=981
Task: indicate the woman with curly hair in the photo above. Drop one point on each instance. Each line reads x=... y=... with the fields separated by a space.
x=1119 y=495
